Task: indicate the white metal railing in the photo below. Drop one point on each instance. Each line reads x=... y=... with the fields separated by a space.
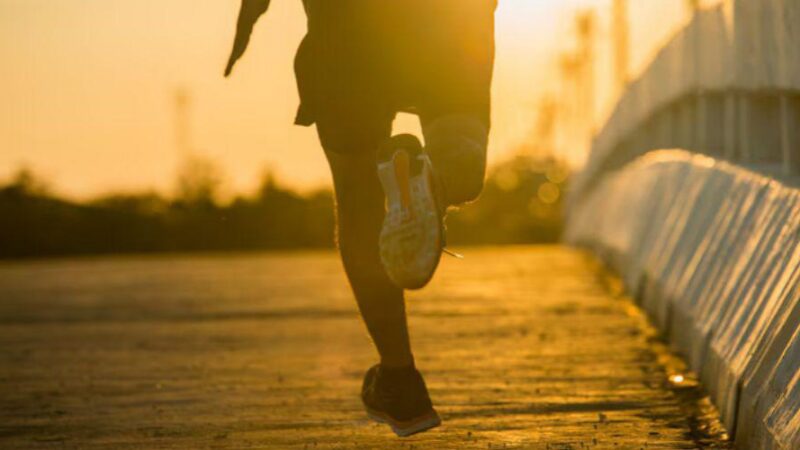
x=727 y=85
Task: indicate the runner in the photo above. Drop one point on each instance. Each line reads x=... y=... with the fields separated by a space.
x=362 y=62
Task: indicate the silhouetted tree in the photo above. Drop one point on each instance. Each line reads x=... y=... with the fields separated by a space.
x=520 y=205
x=198 y=183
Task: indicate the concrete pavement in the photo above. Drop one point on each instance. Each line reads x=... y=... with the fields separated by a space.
x=526 y=347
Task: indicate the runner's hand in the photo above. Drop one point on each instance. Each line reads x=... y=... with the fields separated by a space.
x=248 y=16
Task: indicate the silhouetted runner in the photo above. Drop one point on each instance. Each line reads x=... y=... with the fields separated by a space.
x=362 y=62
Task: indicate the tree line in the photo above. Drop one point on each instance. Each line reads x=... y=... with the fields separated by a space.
x=520 y=204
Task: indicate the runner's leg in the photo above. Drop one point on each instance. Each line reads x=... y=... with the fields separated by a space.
x=457 y=144
x=351 y=149
x=455 y=97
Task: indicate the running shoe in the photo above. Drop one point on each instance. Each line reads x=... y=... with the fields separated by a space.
x=399 y=398
x=412 y=237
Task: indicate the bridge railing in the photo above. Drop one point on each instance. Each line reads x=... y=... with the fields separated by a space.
x=711 y=251
x=727 y=85
x=711 y=246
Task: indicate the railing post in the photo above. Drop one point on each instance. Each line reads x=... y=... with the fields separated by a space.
x=743 y=142
x=729 y=126
x=701 y=120
x=789 y=163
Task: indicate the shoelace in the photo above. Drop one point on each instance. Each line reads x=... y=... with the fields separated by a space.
x=449 y=252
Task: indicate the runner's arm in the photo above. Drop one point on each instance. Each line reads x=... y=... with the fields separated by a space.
x=248 y=16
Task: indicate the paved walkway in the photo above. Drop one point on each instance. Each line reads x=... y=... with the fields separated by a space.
x=522 y=348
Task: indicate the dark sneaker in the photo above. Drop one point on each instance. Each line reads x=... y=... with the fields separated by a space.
x=412 y=236
x=399 y=398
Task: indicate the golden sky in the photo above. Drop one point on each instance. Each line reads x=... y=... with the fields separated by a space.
x=87 y=86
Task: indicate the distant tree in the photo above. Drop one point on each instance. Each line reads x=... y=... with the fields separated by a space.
x=146 y=203
x=25 y=182
x=521 y=203
x=198 y=182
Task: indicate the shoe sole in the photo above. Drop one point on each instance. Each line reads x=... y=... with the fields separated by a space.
x=409 y=427
x=411 y=215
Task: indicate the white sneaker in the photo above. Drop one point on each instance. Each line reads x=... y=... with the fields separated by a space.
x=412 y=237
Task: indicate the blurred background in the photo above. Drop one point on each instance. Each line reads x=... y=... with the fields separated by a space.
x=118 y=132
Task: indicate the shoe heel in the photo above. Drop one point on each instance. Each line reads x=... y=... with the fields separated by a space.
x=398 y=161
